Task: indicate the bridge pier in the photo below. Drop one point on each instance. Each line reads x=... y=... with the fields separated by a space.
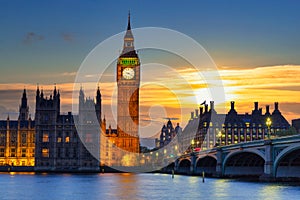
x=219 y=167
x=176 y=165
x=269 y=160
x=193 y=164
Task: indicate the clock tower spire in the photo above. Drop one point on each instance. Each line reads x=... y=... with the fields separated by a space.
x=128 y=81
x=128 y=46
x=128 y=25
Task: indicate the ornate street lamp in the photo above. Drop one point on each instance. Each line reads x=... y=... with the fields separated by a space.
x=269 y=123
x=192 y=144
x=220 y=138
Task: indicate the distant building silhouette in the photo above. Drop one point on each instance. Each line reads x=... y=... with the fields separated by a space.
x=168 y=132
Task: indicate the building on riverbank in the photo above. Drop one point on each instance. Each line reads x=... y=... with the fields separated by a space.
x=60 y=145
x=296 y=125
x=168 y=133
x=211 y=128
x=17 y=138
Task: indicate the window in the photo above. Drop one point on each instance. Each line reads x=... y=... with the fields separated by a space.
x=23 y=139
x=33 y=138
x=59 y=139
x=23 y=153
x=2 y=139
x=13 y=152
x=45 y=137
x=45 y=152
x=67 y=139
x=2 y=152
x=13 y=138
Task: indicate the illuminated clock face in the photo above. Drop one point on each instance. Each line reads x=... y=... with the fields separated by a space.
x=128 y=73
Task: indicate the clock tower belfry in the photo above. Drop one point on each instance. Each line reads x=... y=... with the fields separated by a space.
x=128 y=81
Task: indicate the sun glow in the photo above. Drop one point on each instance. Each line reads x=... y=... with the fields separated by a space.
x=262 y=84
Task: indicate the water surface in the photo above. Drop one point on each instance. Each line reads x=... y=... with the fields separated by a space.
x=137 y=186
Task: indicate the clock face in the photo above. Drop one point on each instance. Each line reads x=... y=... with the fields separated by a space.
x=128 y=44
x=128 y=73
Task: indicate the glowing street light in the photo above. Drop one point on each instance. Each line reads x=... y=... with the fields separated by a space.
x=269 y=123
x=220 y=138
x=192 y=144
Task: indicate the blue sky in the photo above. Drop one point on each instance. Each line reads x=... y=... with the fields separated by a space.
x=55 y=36
x=45 y=41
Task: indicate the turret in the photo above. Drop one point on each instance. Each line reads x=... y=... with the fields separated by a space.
x=37 y=97
x=98 y=105
x=54 y=91
x=81 y=99
x=103 y=125
x=47 y=107
x=24 y=109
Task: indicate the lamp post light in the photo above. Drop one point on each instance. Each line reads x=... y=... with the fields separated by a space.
x=220 y=138
x=269 y=123
x=192 y=144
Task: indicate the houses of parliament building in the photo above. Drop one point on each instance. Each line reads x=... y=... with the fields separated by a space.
x=67 y=142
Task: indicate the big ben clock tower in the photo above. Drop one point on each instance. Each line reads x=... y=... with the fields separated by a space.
x=128 y=80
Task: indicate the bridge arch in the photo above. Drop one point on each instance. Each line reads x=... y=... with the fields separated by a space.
x=244 y=162
x=208 y=155
x=287 y=162
x=207 y=164
x=184 y=166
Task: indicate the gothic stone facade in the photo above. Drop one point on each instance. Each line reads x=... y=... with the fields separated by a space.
x=17 y=138
x=59 y=143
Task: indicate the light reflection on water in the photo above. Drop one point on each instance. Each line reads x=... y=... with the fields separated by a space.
x=136 y=186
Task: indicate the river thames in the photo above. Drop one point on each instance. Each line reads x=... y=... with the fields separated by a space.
x=137 y=186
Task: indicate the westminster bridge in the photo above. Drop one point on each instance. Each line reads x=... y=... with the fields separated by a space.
x=268 y=159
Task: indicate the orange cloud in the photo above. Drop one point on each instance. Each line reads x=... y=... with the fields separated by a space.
x=184 y=90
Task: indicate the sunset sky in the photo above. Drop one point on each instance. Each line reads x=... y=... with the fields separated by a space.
x=254 y=44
